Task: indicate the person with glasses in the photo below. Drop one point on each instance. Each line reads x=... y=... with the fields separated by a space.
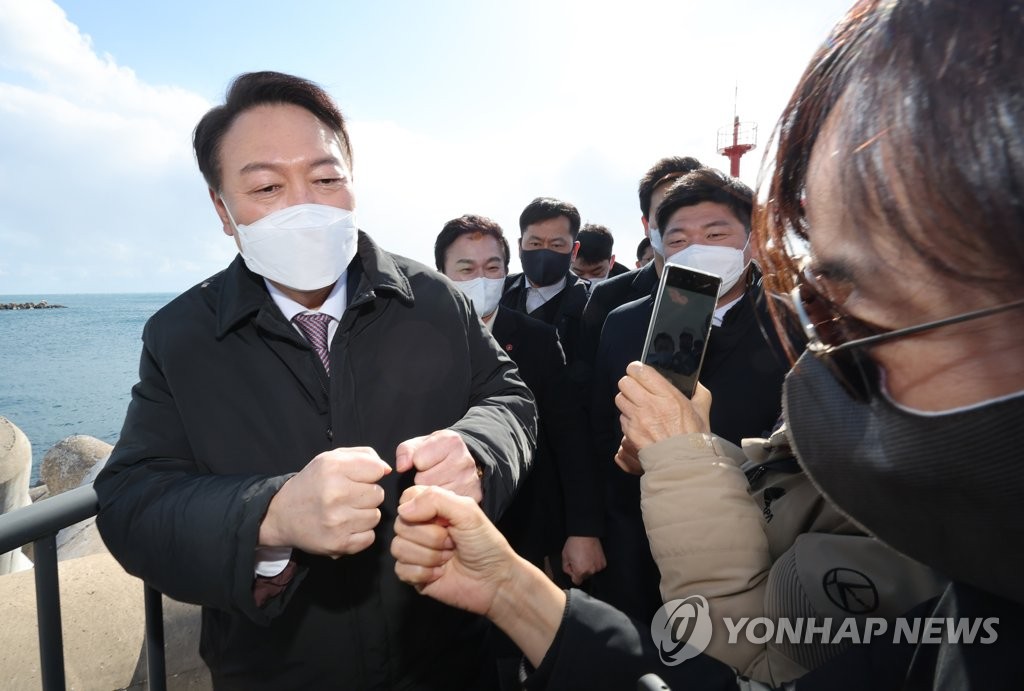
x=892 y=232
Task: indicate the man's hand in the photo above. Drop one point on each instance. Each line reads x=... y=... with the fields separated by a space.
x=628 y=457
x=330 y=506
x=445 y=547
x=582 y=557
x=653 y=409
x=443 y=460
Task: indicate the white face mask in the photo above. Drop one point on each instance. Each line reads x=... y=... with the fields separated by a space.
x=484 y=292
x=656 y=244
x=728 y=263
x=303 y=247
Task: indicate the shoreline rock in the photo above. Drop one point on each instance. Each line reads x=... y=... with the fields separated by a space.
x=41 y=305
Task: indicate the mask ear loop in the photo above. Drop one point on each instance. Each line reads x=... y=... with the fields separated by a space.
x=238 y=235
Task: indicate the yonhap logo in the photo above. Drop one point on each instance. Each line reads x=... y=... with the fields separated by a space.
x=681 y=629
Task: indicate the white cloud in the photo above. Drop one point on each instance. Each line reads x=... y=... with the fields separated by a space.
x=99 y=191
x=97 y=164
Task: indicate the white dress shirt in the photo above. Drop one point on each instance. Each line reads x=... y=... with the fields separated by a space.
x=719 y=314
x=536 y=297
x=271 y=561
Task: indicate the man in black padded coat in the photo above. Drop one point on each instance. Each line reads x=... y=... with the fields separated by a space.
x=285 y=403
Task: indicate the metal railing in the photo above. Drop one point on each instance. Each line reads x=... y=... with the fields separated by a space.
x=39 y=524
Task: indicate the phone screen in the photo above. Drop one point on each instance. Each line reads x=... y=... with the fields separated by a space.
x=680 y=325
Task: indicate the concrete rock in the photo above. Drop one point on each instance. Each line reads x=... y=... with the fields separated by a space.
x=69 y=460
x=83 y=538
x=103 y=624
x=15 y=470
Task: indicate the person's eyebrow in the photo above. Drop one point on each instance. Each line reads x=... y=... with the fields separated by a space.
x=256 y=166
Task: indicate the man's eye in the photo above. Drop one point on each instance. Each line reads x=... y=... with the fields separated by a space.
x=267 y=189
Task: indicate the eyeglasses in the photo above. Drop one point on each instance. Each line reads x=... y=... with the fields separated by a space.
x=839 y=340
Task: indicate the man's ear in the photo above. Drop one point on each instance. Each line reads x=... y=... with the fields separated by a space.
x=575 y=250
x=611 y=262
x=647 y=227
x=222 y=212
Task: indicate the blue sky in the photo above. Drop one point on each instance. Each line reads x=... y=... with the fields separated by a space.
x=454 y=107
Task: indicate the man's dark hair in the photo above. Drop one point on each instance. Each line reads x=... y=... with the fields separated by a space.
x=642 y=248
x=468 y=224
x=546 y=208
x=707 y=185
x=665 y=170
x=596 y=243
x=255 y=89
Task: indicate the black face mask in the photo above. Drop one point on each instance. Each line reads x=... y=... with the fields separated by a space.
x=946 y=489
x=545 y=267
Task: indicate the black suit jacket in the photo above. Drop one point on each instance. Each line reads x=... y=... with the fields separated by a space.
x=564 y=311
x=562 y=496
x=744 y=367
x=606 y=296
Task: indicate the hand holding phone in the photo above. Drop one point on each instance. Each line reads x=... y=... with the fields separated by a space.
x=680 y=324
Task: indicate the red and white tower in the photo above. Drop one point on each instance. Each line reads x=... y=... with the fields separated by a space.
x=736 y=140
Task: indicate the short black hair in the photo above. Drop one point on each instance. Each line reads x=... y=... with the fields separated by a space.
x=467 y=224
x=642 y=248
x=663 y=171
x=255 y=89
x=707 y=185
x=546 y=208
x=596 y=243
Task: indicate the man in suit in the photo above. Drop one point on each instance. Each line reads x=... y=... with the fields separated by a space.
x=702 y=221
x=595 y=260
x=619 y=290
x=547 y=290
x=555 y=515
x=250 y=475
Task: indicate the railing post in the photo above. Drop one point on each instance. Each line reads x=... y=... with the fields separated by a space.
x=156 y=668
x=51 y=637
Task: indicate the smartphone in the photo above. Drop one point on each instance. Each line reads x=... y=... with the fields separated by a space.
x=680 y=325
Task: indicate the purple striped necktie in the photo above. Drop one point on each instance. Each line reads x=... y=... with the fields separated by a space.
x=314 y=328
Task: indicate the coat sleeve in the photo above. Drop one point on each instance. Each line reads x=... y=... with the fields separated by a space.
x=500 y=427
x=599 y=647
x=191 y=535
x=707 y=534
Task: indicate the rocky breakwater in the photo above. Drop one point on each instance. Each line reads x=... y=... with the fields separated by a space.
x=42 y=305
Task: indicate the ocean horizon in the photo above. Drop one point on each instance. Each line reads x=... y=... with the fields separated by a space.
x=70 y=371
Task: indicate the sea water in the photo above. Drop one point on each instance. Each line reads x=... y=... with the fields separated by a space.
x=70 y=371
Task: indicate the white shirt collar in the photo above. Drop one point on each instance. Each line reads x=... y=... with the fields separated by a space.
x=334 y=305
x=719 y=315
x=535 y=297
x=489 y=324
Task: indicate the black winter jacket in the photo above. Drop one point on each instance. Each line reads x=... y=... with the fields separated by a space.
x=232 y=400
